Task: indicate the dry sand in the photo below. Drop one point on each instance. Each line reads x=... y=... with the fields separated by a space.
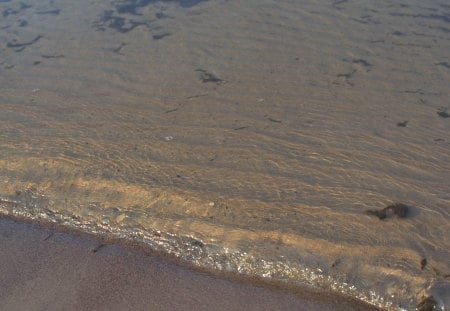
x=43 y=269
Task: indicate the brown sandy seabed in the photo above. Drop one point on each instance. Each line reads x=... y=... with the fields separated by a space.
x=266 y=131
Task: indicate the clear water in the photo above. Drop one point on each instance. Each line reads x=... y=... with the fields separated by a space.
x=249 y=137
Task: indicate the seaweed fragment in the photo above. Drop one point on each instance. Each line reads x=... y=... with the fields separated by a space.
x=398 y=209
x=98 y=247
x=48 y=236
x=171 y=110
x=240 y=128
x=274 y=120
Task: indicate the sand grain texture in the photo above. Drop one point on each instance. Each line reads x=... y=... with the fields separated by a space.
x=61 y=272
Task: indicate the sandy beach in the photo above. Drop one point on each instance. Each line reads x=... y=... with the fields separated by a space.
x=44 y=269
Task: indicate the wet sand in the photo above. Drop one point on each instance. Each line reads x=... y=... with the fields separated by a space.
x=44 y=269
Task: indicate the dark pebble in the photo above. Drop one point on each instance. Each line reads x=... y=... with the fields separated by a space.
x=443 y=114
x=423 y=263
x=398 y=209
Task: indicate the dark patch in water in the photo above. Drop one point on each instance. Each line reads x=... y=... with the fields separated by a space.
x=119 y=20
x=8 y=11
x=398 y=209
x=402 y=124
x=19 y=45
x=445 y=64
x=117 y=23
x=131 y=6
x=427 y=304
x=443 y=113
x=336 y=263
x=398 y=33
x=161 y=15
x=158 y=37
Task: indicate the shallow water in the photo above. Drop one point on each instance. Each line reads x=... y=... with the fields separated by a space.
x=249 y=138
